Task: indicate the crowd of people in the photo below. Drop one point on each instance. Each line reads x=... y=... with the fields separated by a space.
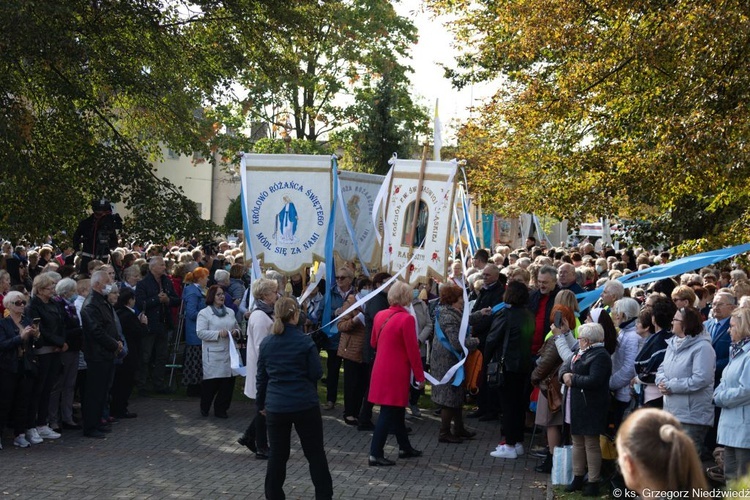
x=94 y=332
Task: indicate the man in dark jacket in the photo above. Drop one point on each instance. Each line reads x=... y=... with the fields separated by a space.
x=100 y=347
x=540 y=305
x=154 y=295
x=490 y=295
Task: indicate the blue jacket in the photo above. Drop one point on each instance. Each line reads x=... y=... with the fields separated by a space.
x=733 y=397
x=720 y=341
x=337 y=300
x=194 y=300
x=288 y=372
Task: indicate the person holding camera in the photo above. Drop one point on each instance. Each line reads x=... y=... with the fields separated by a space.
x=96 y=235
x=214 y=325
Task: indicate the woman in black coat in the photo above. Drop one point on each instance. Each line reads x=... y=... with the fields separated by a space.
x=515 y=323
x=17 y=366
x=587 y=378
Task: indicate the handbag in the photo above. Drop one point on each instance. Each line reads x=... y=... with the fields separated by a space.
x=607 y=444
x=320 y=339
x=554 y=393
x=562 y=465
x=30 y=364
x=496 y=369
x=473 y=369
x=495 y=374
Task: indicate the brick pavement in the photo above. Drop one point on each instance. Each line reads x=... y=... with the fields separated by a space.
x=170 y=451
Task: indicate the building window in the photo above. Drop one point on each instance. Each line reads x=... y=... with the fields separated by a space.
x=173 y=155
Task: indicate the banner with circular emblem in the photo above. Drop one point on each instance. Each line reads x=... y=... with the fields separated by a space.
x=287 y=207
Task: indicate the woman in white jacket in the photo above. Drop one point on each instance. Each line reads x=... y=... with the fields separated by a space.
x=624 y=314
x=214 y=325
x=259 y=324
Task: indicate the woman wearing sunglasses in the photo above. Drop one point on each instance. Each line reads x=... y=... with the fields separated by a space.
x=17 y=362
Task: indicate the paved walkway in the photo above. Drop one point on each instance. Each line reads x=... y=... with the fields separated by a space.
x=170 y=451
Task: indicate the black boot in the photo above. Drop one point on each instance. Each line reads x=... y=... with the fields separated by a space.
x=445 y=436
x=576 y=485
x=248 y=441
x=546 y=466
x=591 y=489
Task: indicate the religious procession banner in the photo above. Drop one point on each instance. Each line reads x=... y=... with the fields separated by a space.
x=287 y=206
x=358 y=192
x=428 y=235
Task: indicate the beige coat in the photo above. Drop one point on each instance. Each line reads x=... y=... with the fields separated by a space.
x=258 y=327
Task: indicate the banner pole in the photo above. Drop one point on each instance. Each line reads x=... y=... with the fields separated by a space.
x=415 y=217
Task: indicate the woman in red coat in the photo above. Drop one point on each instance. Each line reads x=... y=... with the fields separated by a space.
x=394 y=338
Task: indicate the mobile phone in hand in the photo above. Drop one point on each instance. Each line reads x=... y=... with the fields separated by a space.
x=558 y=319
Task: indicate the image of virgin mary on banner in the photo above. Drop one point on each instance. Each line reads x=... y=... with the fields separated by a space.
x=287 y=208
x=419 y=228
x=358 y=192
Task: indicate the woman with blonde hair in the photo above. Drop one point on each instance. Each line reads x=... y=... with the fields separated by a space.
x=555 y=350
x=733 y=397
x=397 y=356
x=654 y=453
x=288 y=372
x=684 y=296
x=259 y=324
x=49 y=316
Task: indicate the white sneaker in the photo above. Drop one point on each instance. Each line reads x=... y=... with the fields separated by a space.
x=519 y=448
x=21 y=441
x=32 y=436
x=505 y=452
x=45 y=432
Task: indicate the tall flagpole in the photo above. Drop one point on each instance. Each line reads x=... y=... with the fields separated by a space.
x=437 y=134
x=415 y=217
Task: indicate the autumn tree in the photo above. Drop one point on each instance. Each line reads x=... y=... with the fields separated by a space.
x=633 y=109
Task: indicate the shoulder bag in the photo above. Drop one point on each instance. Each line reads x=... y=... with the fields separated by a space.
x=496 y=369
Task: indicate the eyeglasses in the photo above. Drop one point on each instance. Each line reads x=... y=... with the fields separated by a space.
x=19 y=303
x=341 y=278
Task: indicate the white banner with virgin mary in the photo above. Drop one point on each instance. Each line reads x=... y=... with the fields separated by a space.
x=358 y=191
x=428 y=237
x=287 y=208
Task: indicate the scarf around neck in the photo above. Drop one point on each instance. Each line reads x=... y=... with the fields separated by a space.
x=266 y=308
x=736 y=347
x=219 y=312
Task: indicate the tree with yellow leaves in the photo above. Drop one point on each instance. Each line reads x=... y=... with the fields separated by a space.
x=634 y=109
